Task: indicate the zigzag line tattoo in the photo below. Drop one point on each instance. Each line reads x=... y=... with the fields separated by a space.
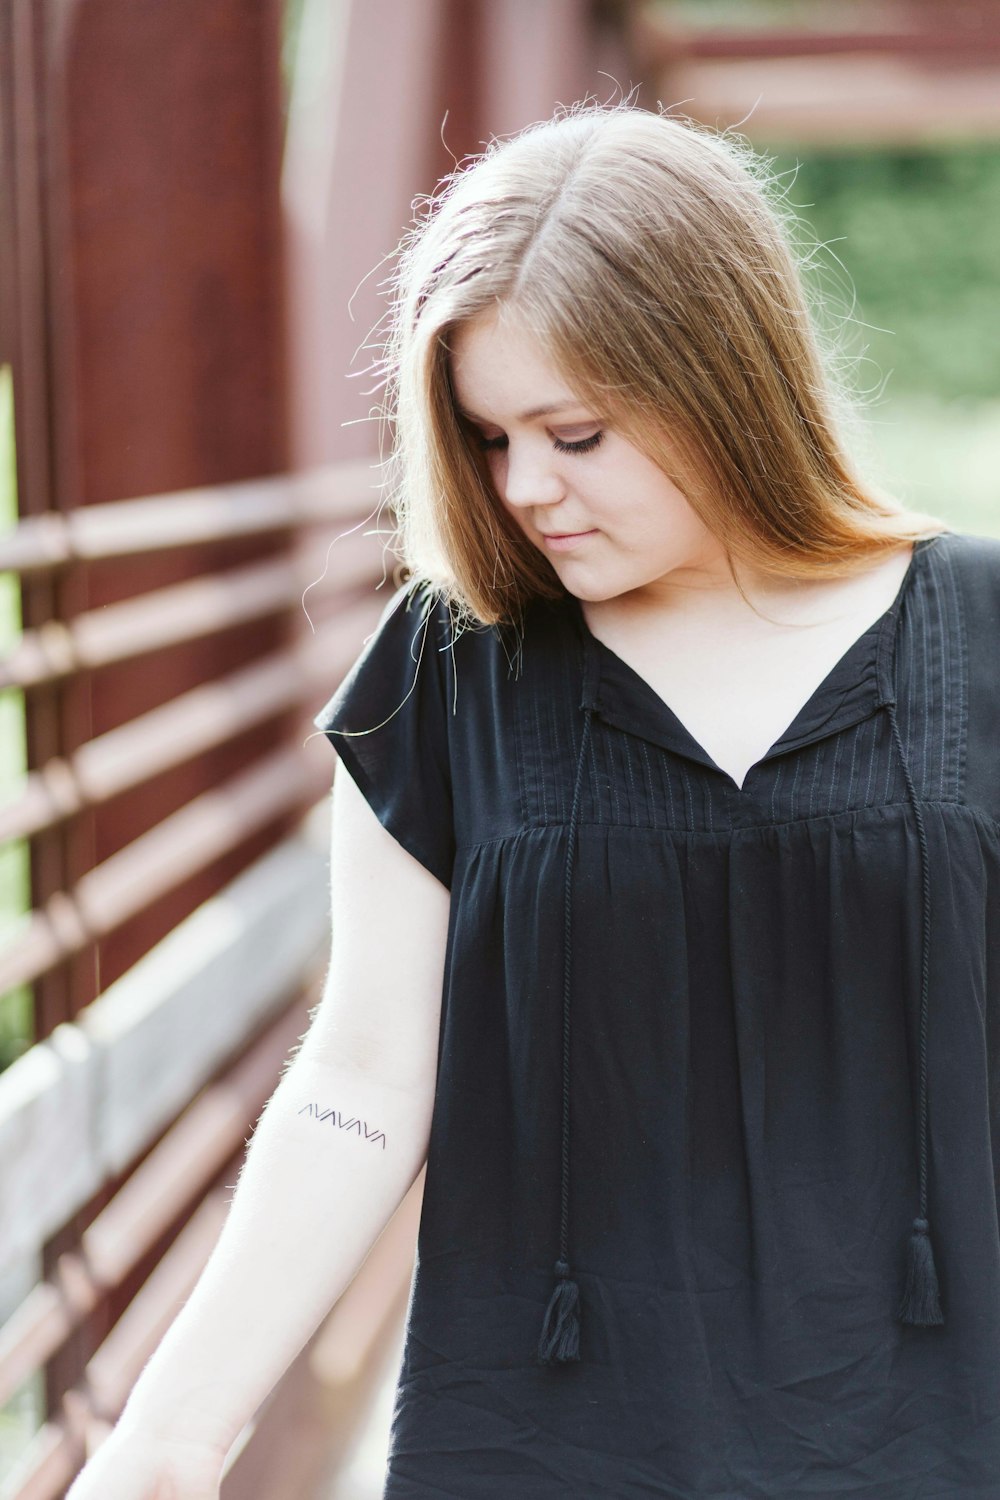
x=341 y=1122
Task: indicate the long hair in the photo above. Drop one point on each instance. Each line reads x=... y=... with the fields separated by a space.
x=654 y=259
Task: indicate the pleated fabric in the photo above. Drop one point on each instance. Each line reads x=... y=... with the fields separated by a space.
x=710 y=1096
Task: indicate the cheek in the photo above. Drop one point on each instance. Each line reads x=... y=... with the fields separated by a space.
x=496 y=468
x=661 y=503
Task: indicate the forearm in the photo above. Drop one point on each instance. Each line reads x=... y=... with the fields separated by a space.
x=332 y=1156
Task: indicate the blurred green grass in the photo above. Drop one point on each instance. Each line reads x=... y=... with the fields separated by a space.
x=900 y=259
x=940 y=456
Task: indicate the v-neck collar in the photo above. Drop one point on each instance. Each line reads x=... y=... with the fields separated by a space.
x=857 y=685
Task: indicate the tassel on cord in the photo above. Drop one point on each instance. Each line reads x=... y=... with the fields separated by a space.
x=559 y=1341
x=920 y=1303
x=560 y=1338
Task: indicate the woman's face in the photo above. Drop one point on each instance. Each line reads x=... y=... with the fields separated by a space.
x=607 y=518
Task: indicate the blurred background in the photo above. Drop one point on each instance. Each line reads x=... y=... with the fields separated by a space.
x=197 y=201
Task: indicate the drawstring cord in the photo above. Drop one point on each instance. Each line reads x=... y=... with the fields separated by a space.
x=560 y=1336
x=920 y=1304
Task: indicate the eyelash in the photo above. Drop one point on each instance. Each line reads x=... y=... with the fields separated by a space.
x=585 y=445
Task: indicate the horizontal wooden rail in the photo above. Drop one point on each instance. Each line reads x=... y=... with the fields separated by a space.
x=182 y=612
x=664 y=41
x=178 y=847
x=155 y=523
x=188 y=725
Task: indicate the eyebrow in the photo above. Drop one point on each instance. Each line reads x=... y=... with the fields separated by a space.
x=528 y=416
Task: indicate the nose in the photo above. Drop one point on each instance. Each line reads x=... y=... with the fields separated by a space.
x=530 y=475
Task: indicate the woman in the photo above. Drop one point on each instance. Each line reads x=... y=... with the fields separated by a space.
x=672 y=772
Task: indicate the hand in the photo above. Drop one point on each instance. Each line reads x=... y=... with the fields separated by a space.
x=134 y=1466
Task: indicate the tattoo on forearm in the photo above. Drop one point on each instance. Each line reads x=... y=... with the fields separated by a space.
x=342 y=1122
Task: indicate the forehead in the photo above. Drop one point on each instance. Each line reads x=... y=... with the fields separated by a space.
x=498 y=364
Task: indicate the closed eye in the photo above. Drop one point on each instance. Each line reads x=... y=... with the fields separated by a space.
x=583 y=445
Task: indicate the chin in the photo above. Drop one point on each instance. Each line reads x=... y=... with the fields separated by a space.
x=594 y=593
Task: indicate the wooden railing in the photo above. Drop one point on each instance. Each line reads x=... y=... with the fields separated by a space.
x=132 y=1116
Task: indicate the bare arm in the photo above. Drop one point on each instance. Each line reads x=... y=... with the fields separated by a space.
x=316 y=1191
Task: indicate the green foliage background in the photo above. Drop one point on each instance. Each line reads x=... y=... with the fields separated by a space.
x=901 y=261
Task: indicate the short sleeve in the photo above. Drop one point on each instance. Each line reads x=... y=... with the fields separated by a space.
x=388 y=723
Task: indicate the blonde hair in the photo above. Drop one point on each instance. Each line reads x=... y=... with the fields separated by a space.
x=652 y=256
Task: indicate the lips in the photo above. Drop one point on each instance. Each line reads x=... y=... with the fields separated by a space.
x=566 y=541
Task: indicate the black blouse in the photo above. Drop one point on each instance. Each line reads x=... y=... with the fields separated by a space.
x=711 y=1203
